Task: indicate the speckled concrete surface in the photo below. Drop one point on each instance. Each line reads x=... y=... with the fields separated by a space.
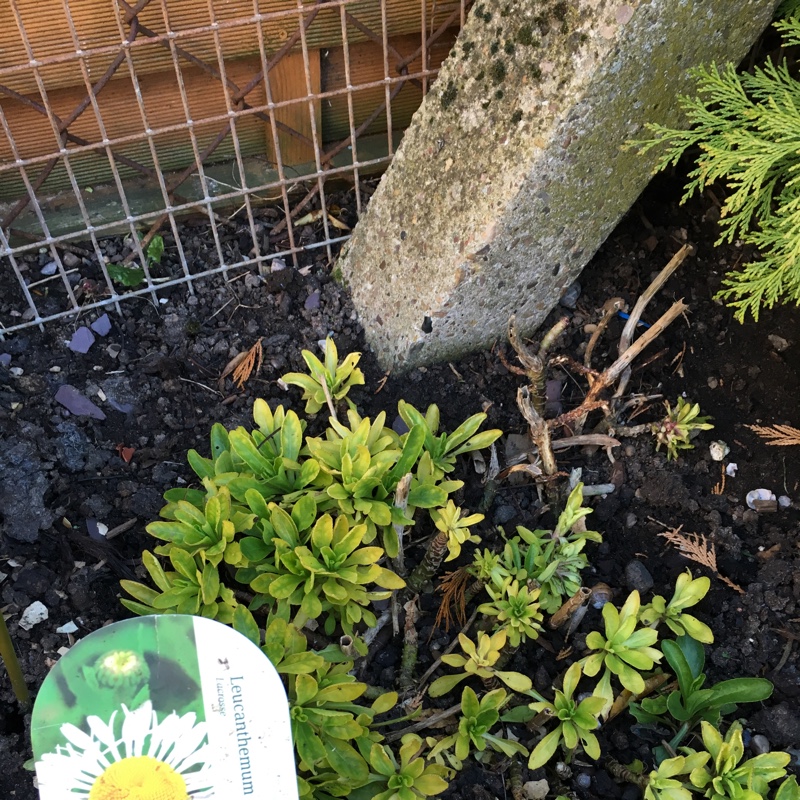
x=513 y=172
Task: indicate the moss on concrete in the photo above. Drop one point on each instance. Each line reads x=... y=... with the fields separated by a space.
x=530 y=176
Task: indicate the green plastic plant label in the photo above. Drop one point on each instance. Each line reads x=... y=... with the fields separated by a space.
x=164 y=707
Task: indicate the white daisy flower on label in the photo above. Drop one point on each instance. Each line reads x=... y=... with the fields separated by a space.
x=150 y=760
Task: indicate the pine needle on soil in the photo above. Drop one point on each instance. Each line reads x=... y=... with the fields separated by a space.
x=696 y=547
x=781 y=435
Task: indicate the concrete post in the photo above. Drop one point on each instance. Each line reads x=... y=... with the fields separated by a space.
x=513 y=171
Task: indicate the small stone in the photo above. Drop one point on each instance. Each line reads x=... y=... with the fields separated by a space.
x=67 y=627
x=583 y=780
x=759 y=744
x=69 y=397
x=712 y=383
x=17 y=371
x=778 y=342
x=730 y=470
x=35 y=613
x=312 y=301
x=81 y=340
x=504 y=514
x=5 y=360
x=718 y=450
x=784 y=501
x=570 y=297
x=102 y=325
x=535 y=790
x=630 y=520
x=70 y=260
x=638 y=577
x=759 y=496
x=399 y=426
x=50 y=268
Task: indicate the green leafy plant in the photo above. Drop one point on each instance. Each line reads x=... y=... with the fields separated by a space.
x=517 y=611
x=135 y=276
x=688 y=592
x=478 y=718
x=479 y=662
x=551 y=560
x=405 y=779
x=576 y=721
x=681 y=423
x=328 y=380
x=192 y=587
x=744 y=125
x=691 y=703
x=328 y=574
x=453 y=531
x=663 y=782
x=624 y=651
x=364 y=464
x=155 y=250
x=443 y=449
x=326 y=721
x=724 y=776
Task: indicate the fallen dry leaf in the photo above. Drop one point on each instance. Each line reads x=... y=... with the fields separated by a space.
x=242 y=365
x=125 y=453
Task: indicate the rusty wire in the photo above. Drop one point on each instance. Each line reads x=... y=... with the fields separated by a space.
x=34 y=170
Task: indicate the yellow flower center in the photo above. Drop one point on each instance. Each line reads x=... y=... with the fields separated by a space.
x=139 y=778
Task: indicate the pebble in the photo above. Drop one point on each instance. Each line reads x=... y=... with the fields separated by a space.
x=712 y=383
x=535 y=790
x=70 y=260
x=778 y=342
x=570 y=298
x=759 y=744
x=312 y=301
x=630 y=520
x=718 y=450
x=35 y=613
x=504 y=514
x=102 y=325
x=81 y=340
x=583 y=780
x=67 y=627
x=784 y=501
x=759 y=495
x=50 y=268
x=17 y=371
x=638 y=577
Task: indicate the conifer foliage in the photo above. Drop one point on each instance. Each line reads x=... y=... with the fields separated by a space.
x=747 y=127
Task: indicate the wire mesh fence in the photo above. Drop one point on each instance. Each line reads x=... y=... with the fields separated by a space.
x=122 y=119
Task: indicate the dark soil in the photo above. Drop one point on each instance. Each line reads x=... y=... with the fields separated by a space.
x=156 y=378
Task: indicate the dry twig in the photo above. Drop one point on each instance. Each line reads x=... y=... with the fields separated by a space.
x=696 y=547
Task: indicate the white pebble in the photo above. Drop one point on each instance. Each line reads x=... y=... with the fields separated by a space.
x=17 y=371
x=784 y=501
x=35 y=613
x=718 y=450
x=67 y=627
x=730 y=470
x=758 y=494
x=536 y=790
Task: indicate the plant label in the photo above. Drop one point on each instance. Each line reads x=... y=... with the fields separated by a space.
x=168 y=706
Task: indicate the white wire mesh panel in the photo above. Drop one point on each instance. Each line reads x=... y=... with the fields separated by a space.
x=127 y=120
